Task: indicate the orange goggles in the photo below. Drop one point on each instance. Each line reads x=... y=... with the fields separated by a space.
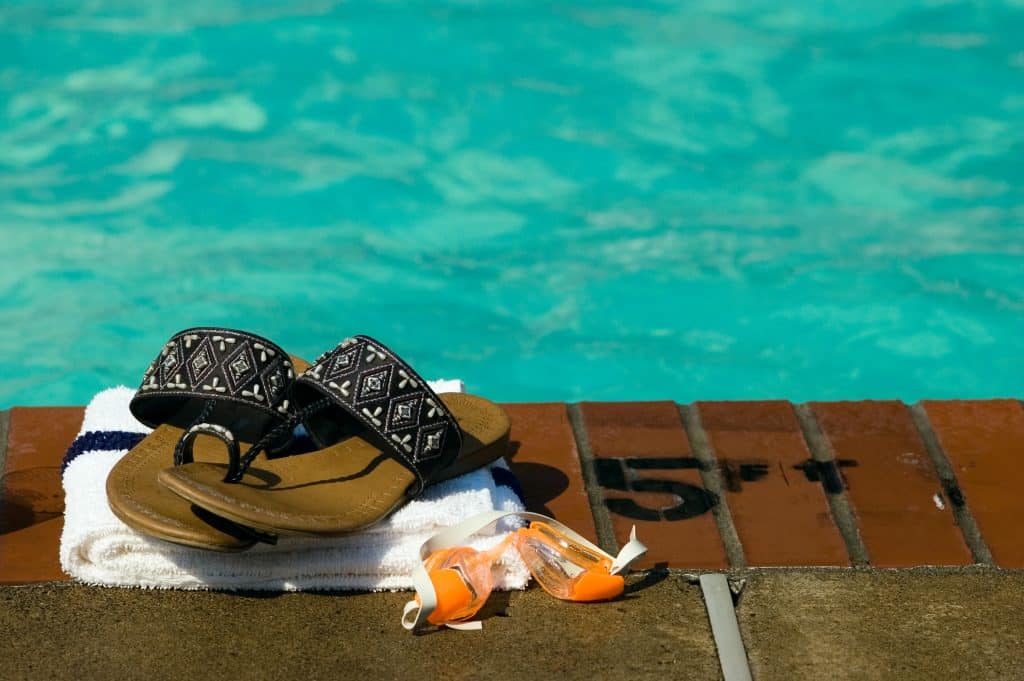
x=454 y=580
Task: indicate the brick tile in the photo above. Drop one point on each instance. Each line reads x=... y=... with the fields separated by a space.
x=780 y=513
x=545 y=460
x=31 y=495
x=642 y=447
x=892 y=485
x=33 y=500
x=984 y=441
x=29 y=555
x=39 y=436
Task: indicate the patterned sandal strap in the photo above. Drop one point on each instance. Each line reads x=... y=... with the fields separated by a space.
x=247 y=377
x=376 y=394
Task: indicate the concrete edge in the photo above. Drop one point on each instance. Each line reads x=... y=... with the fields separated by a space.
x=980 y=551
x=688 y=575
x=838 y=503
x=602 y=519
x=712 y=480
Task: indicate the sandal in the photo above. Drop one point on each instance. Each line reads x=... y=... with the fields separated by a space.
x=206 y=385
x=383 y=435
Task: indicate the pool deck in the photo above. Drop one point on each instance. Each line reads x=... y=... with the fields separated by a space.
x=860 y=539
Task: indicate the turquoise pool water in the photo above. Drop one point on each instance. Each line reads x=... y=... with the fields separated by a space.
x=553 y=201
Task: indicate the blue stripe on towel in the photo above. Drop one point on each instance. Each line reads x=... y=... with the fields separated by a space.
x=103 y=440
x=503 y=476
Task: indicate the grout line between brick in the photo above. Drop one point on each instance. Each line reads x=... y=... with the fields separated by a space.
x=709 y=475
x=838 y=503
x=5 y=419
x=961 y=511
x=602 y=519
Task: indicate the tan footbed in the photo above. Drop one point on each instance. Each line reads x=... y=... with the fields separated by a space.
x=135 y=497
x=340 y=489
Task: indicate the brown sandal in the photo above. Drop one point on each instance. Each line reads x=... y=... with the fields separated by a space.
x=207 y=384
x=384 y=436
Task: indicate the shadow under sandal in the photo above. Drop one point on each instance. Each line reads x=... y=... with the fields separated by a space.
x=207 y=389
x=383 y=435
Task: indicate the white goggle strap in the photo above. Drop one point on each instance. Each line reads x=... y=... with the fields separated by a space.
x=415 y=614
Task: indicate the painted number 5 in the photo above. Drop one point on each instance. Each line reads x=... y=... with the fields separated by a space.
x=625 y=475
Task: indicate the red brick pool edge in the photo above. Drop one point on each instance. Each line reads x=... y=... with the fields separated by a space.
x=709 y=485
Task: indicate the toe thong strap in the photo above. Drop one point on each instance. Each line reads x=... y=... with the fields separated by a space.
x=183 y=450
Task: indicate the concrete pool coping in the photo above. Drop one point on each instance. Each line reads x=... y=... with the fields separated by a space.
x=873 y=502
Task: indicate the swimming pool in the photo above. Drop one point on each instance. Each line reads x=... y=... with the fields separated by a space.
x=576 y=200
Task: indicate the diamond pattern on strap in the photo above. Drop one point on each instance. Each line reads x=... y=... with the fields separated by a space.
x=201 y=362
x=216 y=363
x=386 y=395
x=344 y=363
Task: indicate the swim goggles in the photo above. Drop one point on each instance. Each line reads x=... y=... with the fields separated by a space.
x=453 y=581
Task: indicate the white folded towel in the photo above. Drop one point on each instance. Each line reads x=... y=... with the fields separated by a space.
x=97 y=548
